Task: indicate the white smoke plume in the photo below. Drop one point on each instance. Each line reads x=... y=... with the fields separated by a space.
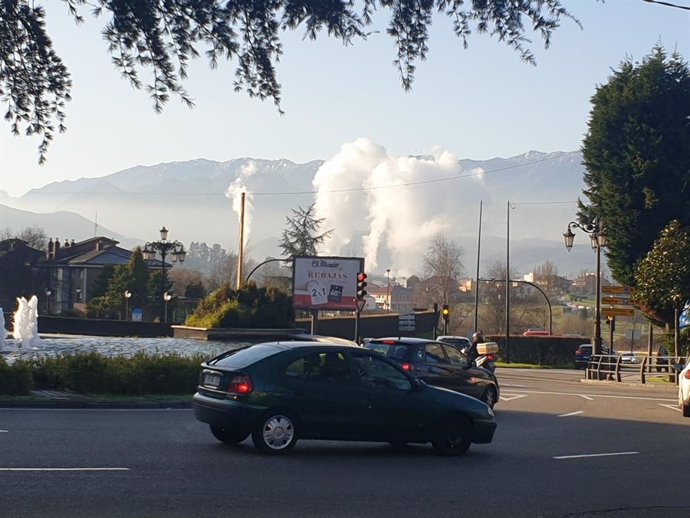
x=234 y=192
x=388 y=208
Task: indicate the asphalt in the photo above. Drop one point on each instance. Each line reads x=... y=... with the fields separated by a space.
x=63 y=399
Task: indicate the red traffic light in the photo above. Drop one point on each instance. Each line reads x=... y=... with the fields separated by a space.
x=361 y=277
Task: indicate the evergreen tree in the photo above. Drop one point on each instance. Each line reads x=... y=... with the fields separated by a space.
x=301 y=236
x=662 y=278
x=637 y=157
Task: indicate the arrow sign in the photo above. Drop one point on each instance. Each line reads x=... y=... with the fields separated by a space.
x=617 y=290
x=618 y=312
x=615 y=300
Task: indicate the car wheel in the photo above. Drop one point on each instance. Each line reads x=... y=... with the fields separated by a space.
x=227 y=435
x=489 y=397
x=276 y=433
x=454 y=436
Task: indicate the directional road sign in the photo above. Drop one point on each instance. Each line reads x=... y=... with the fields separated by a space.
x=615 y=300
x=618 y=312
x=617 y=290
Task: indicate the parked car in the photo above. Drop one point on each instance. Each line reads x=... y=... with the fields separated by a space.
x=630 y=358
x=536 y=332
x=279 y=392
x=584 y=353
x=684 y=390
x=439 y=364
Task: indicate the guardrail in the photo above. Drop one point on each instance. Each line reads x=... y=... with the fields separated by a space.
x=611 y=368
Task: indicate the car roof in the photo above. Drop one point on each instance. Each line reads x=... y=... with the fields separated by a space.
x=452 y=337
x=403 y=340
x=294 y=344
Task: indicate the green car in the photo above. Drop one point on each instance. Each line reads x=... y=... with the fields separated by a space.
x=280 y=392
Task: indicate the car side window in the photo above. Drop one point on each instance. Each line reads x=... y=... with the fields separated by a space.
x=320 y=367
x=434 y=353
x=376 y=372
x=456 y=357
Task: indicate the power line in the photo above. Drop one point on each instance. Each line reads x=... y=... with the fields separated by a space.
x=668 y=4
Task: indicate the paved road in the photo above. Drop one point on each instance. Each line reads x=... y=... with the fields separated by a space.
x=563 y=449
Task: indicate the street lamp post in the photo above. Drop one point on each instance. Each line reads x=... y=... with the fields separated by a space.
x=127 y=295
x=598 y=241
x=388 y=290
x=166 y=298
x=164 y=247
x=48 y=293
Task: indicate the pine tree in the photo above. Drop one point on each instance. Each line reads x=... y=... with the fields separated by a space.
x=301 y=236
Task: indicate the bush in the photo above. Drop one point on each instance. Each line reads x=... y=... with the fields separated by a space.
x=248 y=307
x=91 y=373
x=15 y=379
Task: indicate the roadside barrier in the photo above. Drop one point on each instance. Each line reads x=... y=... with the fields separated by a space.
x=609 y=367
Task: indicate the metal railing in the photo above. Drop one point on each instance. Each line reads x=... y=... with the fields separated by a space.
x=608 y=367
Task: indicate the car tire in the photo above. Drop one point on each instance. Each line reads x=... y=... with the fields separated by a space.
x=454 y=436
x=489 y=397
x=228 y=435
x=276 y=433
x=684 y=408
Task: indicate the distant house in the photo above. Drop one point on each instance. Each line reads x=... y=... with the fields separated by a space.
x=72 y=269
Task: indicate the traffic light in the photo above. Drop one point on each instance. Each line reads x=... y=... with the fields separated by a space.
x=445 y=313
x=361 y=285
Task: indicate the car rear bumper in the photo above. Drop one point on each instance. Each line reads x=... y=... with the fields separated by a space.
x=484 y=430
x=226 y=412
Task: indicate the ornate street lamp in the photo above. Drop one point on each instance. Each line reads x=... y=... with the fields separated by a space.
x=164 y=247
x=127 y=294
x=598 y=241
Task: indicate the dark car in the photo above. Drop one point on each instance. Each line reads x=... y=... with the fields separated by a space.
x=584 y=353
x=439 y=364
x=280 y=392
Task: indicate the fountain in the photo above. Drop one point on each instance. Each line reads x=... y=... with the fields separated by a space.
x=25 y=330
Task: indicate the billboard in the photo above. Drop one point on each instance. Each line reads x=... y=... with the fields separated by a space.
x=325 y=282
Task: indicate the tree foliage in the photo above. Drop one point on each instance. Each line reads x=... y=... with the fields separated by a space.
x=637 y=157
x=662 y=278
x=34 y=236
x=442 y=268
x=301 y=235
x=162 y=37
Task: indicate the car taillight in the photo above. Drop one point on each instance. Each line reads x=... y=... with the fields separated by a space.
x=241 y=384
x=578 y=353
x=687 y=375
x=490 y=357
x=406 y=367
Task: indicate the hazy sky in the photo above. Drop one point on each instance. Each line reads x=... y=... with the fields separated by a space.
x=477 y=103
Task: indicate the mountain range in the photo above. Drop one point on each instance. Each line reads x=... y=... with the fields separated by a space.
x=364 y=194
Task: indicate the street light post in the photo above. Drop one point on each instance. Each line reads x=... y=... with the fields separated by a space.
x=48 y=293
x=164 y=247
x=388 y=291
x=127 y=295
x=166 y=298
x=598 y=241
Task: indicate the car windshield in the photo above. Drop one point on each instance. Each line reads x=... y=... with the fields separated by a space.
x=244 y=357
x=394 y=351
x=460 y=342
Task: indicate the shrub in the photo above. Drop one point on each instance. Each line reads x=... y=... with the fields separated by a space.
x=91 y=373
x=15 y=379
x=248 y=307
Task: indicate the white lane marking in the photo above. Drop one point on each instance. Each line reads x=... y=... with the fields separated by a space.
x=511 y=398
x=4 y=431
x=571 y=413
x=64 y=469
x=586 y=397
x=672 y=407
x=566 y=457
x=599 y=395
